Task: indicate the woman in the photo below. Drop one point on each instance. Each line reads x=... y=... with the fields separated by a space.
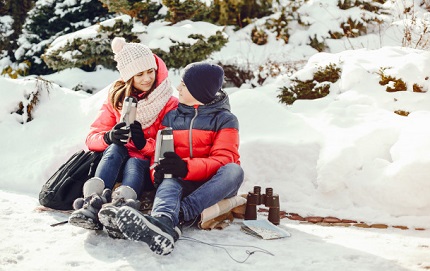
x=126 y=150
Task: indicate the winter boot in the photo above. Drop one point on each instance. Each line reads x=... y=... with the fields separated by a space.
x=158 y=232
x=122 y=196
x=147 y=200
x=86 y=209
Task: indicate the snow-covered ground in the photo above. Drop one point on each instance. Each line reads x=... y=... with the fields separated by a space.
x=29 y=243
x=346 y=155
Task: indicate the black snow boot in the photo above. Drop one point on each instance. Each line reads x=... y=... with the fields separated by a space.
x=108 y=212
x=158 y=232
x=122 y=196
x=86 y=210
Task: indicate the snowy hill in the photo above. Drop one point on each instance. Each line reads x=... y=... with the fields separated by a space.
x=360 y=153
x=346 y=155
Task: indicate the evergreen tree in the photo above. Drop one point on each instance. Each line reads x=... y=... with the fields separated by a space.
x=239 y=12
x=12 y=28
x=221 y=12
x=88 y=52
x=50 y=19
x=145 y=11
x=179 y=10
x=180 y=54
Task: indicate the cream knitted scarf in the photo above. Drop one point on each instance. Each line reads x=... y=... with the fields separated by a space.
x=149 y=108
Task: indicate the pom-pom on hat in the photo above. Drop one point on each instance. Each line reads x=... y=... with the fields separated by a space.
x=132 y=58
x=203 y=80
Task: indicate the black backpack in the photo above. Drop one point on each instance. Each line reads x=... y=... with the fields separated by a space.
x=66 y=184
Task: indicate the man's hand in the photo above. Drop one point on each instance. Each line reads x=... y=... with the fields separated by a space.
x=158 y=176
x=173 y=164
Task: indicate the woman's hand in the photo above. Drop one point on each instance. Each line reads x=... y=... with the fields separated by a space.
x=137 y=135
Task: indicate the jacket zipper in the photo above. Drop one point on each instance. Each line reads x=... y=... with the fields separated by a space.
x=191 y=130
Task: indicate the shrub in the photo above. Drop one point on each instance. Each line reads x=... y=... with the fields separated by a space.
x=236 y=76
x=88 y=53
x=13 y=14
x=402 y=112
x=317 y=44
x=417 y=88
x=26 y=107
x=272 y=69
x=393 y=84
x=179 y=10
x=51 y=19
x=21 y=70
x=145 y=11
x=371 y=15
x=81 y=53
x=181 y=54
x=258 y=36
x=318 y=87
x=330 y=73
x=353 y=28
x=279 y=25
x=96 y=50
x=239 y=12
x=87 y=89
x=369 y=5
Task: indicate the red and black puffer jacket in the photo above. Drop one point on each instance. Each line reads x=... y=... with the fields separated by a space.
x=205 y=136
x=108 y=117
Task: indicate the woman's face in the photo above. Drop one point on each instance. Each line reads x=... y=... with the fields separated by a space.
x=143 y=81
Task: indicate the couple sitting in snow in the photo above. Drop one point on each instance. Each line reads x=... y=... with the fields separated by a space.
x=205 y=164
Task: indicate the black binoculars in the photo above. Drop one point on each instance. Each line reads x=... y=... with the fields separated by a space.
x=269 y=200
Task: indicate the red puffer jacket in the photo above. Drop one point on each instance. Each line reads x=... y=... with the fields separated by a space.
x=206 y=137
x=108 y=117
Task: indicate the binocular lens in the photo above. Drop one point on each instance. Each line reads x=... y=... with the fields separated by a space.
x=269 y=200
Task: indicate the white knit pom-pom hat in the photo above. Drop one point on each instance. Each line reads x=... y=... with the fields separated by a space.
x=132 y=58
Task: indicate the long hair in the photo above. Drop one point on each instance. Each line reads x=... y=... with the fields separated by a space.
x=122 y=89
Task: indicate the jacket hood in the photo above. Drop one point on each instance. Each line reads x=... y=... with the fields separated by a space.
x=220 y=103
x=162 y=72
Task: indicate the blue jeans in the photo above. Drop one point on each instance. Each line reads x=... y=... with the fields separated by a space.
x=116 y=164
x=174 y=194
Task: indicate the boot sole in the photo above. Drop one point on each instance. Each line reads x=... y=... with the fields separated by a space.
x=85 y=222
x=107 y=216
x=136 y=227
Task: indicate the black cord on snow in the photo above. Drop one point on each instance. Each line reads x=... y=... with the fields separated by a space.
x=59 y=223
x=223 y=246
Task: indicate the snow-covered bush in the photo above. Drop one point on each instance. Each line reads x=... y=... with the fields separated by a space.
x=16 y=70
x=184 y=42
x=12 y=16
x=51 y=19
x=145 y=11
x=339 y=19
x=89 y=47
x=317 y=87
x=27 y=106
x=180 y=10
x=181 y=54
x=239 y=13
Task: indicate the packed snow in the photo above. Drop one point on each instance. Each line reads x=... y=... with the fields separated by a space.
x=347 y=155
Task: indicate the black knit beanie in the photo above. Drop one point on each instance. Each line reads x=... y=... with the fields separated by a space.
x=203 y=80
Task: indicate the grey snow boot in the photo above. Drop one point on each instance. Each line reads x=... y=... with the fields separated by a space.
x=157 y=232
x=86 y=210
x=122 y=196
